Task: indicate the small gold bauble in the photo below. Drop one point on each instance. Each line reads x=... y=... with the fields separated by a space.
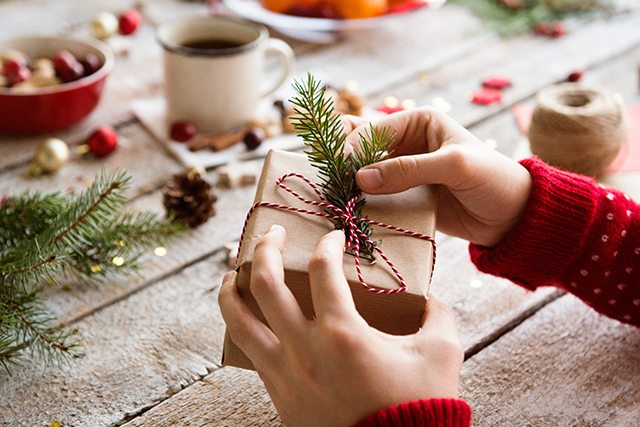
x=50 y=156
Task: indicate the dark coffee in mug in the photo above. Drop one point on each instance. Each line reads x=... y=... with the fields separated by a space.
x=212 y=43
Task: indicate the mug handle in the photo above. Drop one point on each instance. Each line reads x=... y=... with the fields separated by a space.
x=288 y=61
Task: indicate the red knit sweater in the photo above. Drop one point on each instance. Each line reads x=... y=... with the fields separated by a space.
x=573 y=234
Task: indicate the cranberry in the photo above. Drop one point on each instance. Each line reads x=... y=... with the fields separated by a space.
x=183 y=131
x=253 y=138
x=90 y=64
x=496 y=82
x=486 y=96
x=550 y=29
x=103 y=141
x=575 y=76
x=129 y=21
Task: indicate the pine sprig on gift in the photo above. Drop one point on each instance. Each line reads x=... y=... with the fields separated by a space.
x=45 y=237
x=320 y=127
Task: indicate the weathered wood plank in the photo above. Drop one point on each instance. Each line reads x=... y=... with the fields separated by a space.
x=565 y=366
x=137 y=352
x=540 y=63
x=142 y=349
x=228 y=397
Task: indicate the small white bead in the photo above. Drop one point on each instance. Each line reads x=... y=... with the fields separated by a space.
x=623 y=233
x=621 y=286
x=605 y=238
x=612 y=302
x=607 y=273
x=626 y=196
x=628 y=270
x=637 y=251
x=595 y=257
x=628 y=213
x=627 y=317
x=574 y=284
x=615 y=253
x=584 y=272
x=611 y=196
x=597 y=290
x=610 y=216
x=636 y=302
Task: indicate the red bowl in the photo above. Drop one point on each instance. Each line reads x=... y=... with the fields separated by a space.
x=56 y=107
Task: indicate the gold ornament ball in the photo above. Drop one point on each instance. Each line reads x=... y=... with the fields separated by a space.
x=50 y=156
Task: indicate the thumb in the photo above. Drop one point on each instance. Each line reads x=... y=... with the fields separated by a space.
x=404 y=172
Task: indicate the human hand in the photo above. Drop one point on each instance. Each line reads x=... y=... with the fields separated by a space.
x=483 y=193
x=335 y=369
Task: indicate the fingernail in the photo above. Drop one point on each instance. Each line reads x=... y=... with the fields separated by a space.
x=276 y=228
x=370 y=179
x=228 y=276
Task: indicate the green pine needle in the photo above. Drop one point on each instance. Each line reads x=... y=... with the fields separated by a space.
x=320 y=127
x=509 y=21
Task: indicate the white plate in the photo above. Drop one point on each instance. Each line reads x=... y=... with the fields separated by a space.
x=303 y=27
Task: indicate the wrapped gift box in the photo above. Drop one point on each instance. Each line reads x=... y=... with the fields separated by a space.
x=415 y=209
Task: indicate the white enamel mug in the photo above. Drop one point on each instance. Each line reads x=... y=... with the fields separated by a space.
x=218 y=88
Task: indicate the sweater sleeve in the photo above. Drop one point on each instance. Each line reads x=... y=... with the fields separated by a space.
x=577 y=235
x=422 y=413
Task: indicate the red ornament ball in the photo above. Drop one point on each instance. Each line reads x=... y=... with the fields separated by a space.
x=183 y=131
x=67 y=66
x=16 y=72
x=103 y=141
x=129 y=21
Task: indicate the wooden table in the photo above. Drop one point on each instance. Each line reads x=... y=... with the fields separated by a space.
x=153 y=344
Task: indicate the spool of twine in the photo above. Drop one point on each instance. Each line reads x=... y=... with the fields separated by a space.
x=577 y=128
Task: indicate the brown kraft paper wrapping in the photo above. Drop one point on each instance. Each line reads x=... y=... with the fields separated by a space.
x=415 y=209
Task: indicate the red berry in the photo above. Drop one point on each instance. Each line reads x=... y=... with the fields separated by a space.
x=103 y=141
x=486 y=96
x=575 y=76
x=550 y=29
x=183 y=131
x=496 y=82
x=90 y=64
x=67 y=66
x=129 y=21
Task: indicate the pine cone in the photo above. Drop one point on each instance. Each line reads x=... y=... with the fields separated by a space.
x=189 y=197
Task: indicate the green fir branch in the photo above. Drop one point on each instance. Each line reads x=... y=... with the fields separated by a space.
x=508 y=21
x=44 y=236
x=320 y=127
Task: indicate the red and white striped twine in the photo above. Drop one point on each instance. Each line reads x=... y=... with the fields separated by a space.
x=346 y=217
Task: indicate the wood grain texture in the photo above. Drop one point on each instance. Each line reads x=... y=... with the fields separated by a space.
x=228 y=397
x=565 y=366
x=137 y=352
x=532 y=63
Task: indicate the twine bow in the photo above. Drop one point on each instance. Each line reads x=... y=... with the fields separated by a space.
x=349 y=221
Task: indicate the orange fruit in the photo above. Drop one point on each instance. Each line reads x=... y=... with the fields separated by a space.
x=278 y=6
x=354 y=9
